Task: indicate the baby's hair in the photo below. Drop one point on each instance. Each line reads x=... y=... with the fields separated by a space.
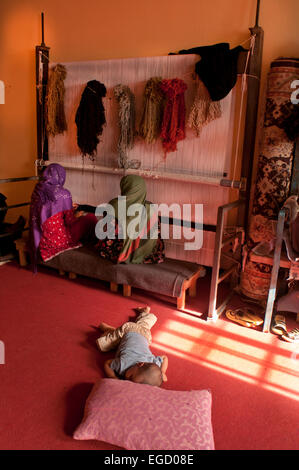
x=150 y=374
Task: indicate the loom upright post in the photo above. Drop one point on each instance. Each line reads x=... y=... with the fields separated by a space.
x=42 y=65
x=254 y=76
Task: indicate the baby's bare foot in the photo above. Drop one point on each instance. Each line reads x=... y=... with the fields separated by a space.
x=105 y=327
x=146 y=309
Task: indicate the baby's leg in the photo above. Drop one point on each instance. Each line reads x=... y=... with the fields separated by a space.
x=111 y=336
x=146 y=319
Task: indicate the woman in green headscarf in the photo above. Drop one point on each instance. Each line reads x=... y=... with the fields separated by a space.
x=136 y=227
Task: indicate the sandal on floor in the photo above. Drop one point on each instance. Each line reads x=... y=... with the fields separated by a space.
x=279 y=326
x=292 y=336
x=251 y=317
x=237 y=316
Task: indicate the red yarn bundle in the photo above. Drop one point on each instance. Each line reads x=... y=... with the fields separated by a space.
x=173 y=125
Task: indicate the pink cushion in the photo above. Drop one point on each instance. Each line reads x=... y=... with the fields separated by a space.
x=143 y=417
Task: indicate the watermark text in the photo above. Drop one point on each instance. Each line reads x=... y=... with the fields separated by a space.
x=295 y=94
x=137 y=222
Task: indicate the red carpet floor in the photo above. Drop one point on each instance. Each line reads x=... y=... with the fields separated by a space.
x=51 y=362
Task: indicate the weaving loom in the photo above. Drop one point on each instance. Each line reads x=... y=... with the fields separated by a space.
x=192 y=174
x=210 y=169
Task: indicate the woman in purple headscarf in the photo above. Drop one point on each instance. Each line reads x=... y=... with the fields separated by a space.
x=54 y=224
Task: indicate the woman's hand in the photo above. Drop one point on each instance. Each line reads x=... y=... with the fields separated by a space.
x=79 y=213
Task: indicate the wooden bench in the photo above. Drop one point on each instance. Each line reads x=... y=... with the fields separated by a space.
x=172 y=277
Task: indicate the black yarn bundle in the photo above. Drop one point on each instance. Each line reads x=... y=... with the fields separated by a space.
x=90 y=118
x=217 y=68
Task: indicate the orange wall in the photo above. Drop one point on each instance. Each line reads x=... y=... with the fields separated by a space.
x=78 y=30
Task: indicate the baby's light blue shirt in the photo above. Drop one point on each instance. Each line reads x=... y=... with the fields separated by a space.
x=133 y=348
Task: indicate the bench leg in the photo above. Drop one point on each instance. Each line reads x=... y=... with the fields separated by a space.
x=126 y=290
x=297 y=317
x=181 y=301
x=192 y=289
x=22 y=257
x=61 y=273
x=113 y=287
x=72 y=276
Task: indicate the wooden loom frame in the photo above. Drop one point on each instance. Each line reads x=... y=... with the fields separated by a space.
x=244 y=185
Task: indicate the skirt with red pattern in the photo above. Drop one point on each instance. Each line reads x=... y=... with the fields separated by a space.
x=64 y=231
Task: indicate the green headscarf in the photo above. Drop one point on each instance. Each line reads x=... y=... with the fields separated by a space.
x=134 y=250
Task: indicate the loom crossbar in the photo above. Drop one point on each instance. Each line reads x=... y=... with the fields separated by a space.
x=188 y=178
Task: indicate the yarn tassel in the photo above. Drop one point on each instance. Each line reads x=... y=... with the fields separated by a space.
x=90 y=118
x=54 y=113
x=203 y=110
x=126 y=116
x=173 y=125
x=152 y=113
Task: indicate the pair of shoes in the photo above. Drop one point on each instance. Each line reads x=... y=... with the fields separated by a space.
x=279 y=326
x=236 y=316
x=292 y=336
x=245 y=317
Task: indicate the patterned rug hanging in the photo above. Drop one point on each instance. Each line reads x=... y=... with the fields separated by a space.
x=173 y=125
x=54 y=112
x=273 y=173
x=90 y=118
x=152 y=113
x=203 y=110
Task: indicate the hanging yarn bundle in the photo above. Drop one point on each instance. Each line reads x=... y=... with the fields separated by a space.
x=173 y=125
x=217 y=67
x=90 y=118
x=203 y=110
x=54 y=112
x=152 y=113
x=126 y=116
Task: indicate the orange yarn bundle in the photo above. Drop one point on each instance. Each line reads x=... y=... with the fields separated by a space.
x=173 y=125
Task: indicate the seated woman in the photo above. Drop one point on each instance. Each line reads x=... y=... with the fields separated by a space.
x=54 y=225
x=123 y=249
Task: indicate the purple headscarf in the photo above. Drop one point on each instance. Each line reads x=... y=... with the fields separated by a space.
x=49 y=197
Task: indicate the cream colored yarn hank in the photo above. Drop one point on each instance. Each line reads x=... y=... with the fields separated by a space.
x=126 y=116
x=203 y=110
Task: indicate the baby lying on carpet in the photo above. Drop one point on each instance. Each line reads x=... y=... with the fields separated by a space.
x=133 y=360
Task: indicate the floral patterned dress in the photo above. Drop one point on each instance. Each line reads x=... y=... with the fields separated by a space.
x=110 y=249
